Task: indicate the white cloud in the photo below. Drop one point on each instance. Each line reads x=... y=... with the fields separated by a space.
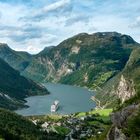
x=56 y=5
x=136 y=23
x=30 y=28
x=33 y=49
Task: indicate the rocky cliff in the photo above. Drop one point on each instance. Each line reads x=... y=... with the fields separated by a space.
x=126 y=120
x=125 y=89
x=120 y=120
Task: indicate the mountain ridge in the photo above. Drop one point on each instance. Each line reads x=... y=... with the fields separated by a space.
x=89 y=60
x=19 y=60
x=69 y=49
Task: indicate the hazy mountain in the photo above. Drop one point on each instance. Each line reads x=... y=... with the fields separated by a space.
x=18 y=60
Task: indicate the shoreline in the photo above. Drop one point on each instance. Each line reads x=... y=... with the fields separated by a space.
x=85 y=89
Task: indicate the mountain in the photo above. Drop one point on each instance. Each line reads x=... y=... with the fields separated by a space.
x=125 y=119
x=18 y=60
x=88 y=60
x=14 y=87
x=85 y=60
x=123 y=88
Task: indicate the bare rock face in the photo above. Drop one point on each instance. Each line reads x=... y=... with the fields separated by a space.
x=119 y=135
x=75 y=50
x=119 y=121
x=125 y=89
x=116 y=134
x=119 y=118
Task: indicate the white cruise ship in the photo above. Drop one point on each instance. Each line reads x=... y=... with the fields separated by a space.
x=55 y=106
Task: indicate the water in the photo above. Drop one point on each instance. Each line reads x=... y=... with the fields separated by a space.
x=72 y=99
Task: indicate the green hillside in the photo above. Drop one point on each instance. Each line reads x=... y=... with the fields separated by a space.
x=132 y=74
x=85 y=60
x=14 y=88
x=13 y=126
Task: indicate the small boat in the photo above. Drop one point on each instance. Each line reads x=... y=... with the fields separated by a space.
x=55 y=106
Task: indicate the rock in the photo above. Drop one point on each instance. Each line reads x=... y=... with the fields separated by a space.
x=119 y=118
x=125 y=89
x=115 y=134
x=119 y=135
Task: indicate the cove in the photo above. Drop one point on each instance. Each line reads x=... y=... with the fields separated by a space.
x=72 y=99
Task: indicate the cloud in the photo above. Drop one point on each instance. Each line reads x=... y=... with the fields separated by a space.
x=77 y=18
x=33 y=49
x=56 y=5
x=136 y=23
x=21 y=34
x=61 y=7
x=30 y=25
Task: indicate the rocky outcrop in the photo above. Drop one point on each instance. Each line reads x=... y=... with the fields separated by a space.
x=119 y=118
x=119 y=121
x=116 y=134
x=75 y=50
x=125 y=89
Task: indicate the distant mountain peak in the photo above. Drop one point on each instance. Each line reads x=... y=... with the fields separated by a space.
x=107 y=34
x=4 y=45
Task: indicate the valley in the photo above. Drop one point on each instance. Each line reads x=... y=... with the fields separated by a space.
x=106 y=62
x=69 y=70
x=87 y=60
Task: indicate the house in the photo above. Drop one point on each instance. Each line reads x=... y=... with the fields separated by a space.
x=45 y=125
x=35 y=121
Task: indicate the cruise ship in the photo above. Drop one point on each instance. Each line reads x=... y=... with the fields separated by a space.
x=55 y=106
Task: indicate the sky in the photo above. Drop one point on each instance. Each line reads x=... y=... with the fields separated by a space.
x=31 y=25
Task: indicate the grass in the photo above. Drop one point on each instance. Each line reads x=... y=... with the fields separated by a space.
x=102 y=79
x=104 y=116
x=55 y=117
x=102 y=112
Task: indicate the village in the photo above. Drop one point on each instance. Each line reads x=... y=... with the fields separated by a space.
x=74 y=126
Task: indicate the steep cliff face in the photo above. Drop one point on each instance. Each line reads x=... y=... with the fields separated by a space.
x=115 y=134
x=125 y=89
x=126 y=120
x=116 y=91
